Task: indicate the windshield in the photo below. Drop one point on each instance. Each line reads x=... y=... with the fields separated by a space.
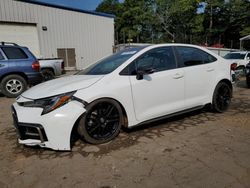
x=235 y=56
x=109 y=64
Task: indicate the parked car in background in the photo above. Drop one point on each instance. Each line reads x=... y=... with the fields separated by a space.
x=50 y=68
x=129 y=88
x=19 y=68
x=248 y=74
x=241 y=58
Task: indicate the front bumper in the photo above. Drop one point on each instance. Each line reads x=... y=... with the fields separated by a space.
x=52 y=130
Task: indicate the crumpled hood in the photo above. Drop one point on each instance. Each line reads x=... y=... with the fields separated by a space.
x=61 y=85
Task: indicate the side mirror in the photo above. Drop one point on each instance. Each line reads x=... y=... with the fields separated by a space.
x=141 y=73
x=248 y=58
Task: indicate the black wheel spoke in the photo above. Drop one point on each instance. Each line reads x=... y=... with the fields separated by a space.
x=113 y=120
x=102 y=130
x=93 y=129
x=109 y=110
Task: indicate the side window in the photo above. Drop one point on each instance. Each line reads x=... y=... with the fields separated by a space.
x=14 y=53
x=159 y=59
x=188 y=56
x=1 y=56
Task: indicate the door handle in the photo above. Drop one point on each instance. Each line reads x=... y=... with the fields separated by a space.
x=210 y=69
x=178 y=75
x=1 y=65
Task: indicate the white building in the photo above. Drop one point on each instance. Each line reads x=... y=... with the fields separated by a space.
x=49 y=31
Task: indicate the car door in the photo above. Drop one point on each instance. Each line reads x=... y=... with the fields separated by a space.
x=3 y=63
x=160 y=90
x=199 y=69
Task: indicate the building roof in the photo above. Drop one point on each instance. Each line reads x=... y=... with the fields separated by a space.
x=68 y=8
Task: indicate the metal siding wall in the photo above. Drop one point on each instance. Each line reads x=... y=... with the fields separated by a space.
x=90 y=35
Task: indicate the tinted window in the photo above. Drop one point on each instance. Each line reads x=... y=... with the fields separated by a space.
x=1 y=56
x=110 y=63
x=248 y=55
x=235 y=56
x=159 y=59
x=188 y=56
x=14 y=53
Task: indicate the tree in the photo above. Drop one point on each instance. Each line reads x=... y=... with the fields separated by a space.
x=159 y=21
x=177 y=18
x=110 y=7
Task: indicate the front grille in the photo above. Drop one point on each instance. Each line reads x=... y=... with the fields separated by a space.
x=28 y=130
x=32 y=131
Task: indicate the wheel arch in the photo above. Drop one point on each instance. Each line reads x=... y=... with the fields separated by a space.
x=228 y=82
x=14 y=73
x=225 y=80
x=74 y=128
x=48 y=68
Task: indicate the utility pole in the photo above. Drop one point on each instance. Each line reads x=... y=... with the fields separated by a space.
x=211 y=17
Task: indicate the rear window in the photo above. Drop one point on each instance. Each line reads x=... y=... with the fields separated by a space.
x=14 y=53
x=235 y=56
x=189 y=56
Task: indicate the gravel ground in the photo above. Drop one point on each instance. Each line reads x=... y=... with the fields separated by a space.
x=199 y=149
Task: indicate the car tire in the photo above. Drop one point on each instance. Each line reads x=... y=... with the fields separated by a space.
x=47 y=74
x=221 y=97
x=101 y=122
x=13 y=85
x=248 y=82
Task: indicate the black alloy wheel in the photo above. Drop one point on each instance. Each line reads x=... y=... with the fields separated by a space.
x=248 y=80
x=102 y=121
x=222 y=97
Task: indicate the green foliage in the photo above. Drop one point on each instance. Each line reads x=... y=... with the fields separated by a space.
x=159 y=21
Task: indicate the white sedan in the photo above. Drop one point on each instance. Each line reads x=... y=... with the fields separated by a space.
x=129 y=88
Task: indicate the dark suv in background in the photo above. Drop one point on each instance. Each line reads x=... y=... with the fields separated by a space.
x=19 y=68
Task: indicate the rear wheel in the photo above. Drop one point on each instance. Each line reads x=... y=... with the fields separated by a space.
x=47 y=74
x=222 y=97
x=102 y=121
x=248 y=81
x=13 y=85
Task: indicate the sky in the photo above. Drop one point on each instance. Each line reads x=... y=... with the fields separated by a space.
x=80 y=4
x=201 y=7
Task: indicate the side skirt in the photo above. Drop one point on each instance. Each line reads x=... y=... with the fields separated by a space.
x=168 y=116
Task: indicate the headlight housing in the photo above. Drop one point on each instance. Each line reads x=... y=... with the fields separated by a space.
x=51 y=103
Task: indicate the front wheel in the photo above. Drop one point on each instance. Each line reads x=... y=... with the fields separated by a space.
x=101 y=122
x=222 y=97
x=13 y=85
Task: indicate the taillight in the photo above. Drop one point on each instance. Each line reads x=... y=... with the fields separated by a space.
x=233 y=66
x=36 y=66
x=62 y=65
